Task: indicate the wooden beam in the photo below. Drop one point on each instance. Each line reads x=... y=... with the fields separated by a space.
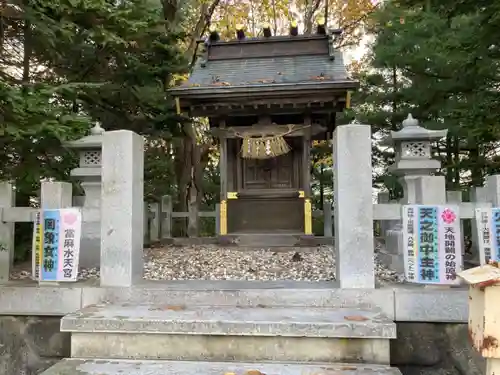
x=314 y=129
x=255 y=110
x=238 y=102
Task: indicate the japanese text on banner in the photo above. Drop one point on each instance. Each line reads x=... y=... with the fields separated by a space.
x=37 y=247
x=428 y=252
x=60 y=241
x=488 y=234
x=432 y=252
x=71 y=223
x=50 y=254
x=410 y=243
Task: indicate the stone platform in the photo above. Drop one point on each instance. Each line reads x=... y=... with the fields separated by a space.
x=403 y=303
x=233 y=333
x=131 y=367
x=275 y=241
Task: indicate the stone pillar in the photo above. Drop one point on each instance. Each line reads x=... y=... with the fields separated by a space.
x=88 y=174
x=479 y=196
x=455 y=197
x=414 y=165
x=122 y=208
x=327 y=219
x=7 y=200
x=54 y=195
x=493 y=189
x=352 y=150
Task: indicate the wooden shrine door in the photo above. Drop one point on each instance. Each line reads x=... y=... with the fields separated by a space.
x=269 y=200
x=275 y=173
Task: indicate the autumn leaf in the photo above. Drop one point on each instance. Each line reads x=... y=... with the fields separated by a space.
x=253 y=372
x=221 y=84
x=356 y=318
x=166 y=308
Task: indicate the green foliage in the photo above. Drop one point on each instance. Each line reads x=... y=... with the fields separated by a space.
x=440 y=63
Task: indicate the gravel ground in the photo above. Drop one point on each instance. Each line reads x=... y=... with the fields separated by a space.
x=210 y=262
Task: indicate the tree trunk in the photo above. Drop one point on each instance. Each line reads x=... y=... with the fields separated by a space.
x=188 y=168
x=311 y=8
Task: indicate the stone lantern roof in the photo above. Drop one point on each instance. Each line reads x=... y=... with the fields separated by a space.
x=412 y=131
x=92 y=141
x=412 y=145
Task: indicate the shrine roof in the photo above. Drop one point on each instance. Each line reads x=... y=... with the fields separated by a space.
x=274 y=63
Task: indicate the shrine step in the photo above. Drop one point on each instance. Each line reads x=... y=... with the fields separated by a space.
x=137 y=367
x=278 y=293
x=230 y=333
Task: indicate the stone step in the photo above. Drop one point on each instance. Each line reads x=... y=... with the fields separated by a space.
x=138 y=367
x=284 y=293
x=230 y=333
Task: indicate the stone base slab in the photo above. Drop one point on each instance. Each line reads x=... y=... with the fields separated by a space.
x=228 y=348
x=404 y=303
x=134 y=367
x=230 y=320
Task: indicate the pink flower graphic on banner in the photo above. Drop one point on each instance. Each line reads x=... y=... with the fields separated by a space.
x=70 y=219
x=448 y=216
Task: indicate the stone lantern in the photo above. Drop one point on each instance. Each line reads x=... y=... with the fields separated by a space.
x=88 y=174
x=412 y=145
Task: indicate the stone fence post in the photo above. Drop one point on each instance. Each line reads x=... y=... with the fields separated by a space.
x=154 y=223
x=122 y=208
x=352 y=151
x=327 y=219
x=7 y=200
x=151 y=223
x=166 y=218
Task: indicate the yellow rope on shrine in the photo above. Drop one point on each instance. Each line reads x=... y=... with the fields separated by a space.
x=265 y=145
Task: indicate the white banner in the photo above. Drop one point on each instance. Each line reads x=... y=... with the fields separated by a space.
x=488 y=233
x=36 y=249
x=432 y=238
x=56 y=239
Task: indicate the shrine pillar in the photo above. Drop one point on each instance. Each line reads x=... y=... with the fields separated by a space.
x=306 y=171
x=223 y=180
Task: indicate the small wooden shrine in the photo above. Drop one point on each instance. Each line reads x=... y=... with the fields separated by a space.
x=267 y=98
